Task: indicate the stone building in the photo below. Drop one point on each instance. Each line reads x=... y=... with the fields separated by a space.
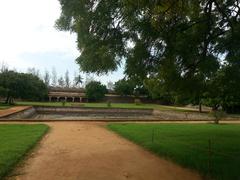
x=67 y=94
x=78 y=95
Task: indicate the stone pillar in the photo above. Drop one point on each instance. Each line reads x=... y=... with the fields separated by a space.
x=65 y=99
x=50 y=98
x=73 y=98
x=58 y=99
x=80 y=99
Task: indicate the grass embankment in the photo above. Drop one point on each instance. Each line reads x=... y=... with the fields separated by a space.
x=4 y=106
x=113 y=105
x=15 y=142
x=188 y=145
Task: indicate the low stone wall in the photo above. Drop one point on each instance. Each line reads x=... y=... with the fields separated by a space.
x=100 y=111
x=24 y=114
x=174 y=115
x=84 y=113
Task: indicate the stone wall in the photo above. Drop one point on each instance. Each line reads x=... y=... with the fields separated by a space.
x=27 y=113
x=100 y=111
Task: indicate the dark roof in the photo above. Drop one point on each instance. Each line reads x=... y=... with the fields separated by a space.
x=58 y=89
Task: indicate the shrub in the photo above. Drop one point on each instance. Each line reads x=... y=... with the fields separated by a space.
x=109 y=104
x=95 y=91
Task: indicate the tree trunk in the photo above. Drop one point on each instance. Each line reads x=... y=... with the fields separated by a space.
x=11 y=101
x=7 y=100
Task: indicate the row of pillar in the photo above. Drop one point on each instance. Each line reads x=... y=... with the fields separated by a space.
x=58 y=98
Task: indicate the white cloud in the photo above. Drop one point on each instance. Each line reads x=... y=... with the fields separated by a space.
x=27 y=28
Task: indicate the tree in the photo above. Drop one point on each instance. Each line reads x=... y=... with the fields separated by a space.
x=224 y=89
x=61 y=82
x=179 y=43
x=124 y=87
x=67 y=80
x=54 y=77
x=78 y=80
x=21 y=85
x=157 y=91
x=95 y=91
x=33 y=71
x=46 y=78
x=4 y=67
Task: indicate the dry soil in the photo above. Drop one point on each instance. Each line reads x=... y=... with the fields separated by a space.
x=88 y=151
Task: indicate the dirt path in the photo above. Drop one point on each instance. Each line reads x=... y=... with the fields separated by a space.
x=87 y=151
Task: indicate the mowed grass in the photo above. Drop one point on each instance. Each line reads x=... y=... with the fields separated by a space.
x=4 y=106
x=15 y=142
x=188 y=145
x=113 y=105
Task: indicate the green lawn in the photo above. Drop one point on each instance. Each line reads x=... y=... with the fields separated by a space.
x=15 y=142
x=4 y=106
x=188 y=145
x=113 y=105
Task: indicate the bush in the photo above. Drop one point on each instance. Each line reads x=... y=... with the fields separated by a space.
x=109 y=104
x=95 y=91
x=124 y=87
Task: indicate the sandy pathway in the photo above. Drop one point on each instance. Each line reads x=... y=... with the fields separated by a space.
x=87 y=151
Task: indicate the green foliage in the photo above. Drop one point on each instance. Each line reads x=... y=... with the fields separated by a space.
x=188 y=145
x=124 y=87
x=15 y=142
x=3 y=92
x=20 y=85
x=95 y=91
x=179 y=44
x=158 y=91
x=109 y=104
x=224 y=89
x=4 y=106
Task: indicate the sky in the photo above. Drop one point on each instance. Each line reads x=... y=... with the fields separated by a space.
x=28 y=39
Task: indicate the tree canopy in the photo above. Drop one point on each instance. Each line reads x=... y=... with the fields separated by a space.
x=21 y=85
x=95 y=91
x=124 y=87
x=181 y=45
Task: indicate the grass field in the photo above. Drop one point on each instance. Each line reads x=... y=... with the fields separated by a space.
x=188 y=145
x=113 y=105
x=4 y=106
x=15 y=142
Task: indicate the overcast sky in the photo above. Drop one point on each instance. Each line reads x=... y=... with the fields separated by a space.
x=28 y=38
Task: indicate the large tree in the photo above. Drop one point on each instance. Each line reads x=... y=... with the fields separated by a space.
x=67 y=79
x=46 y=78
x=95 y=91
x=180 y=44
x=21 y=85
x=77 y=80
x=124 y=87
